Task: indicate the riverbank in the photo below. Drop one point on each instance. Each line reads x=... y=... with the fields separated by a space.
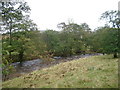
x=92 y=72
x=38 y=64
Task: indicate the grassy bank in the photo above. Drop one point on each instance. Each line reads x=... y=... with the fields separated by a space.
x=92 y=72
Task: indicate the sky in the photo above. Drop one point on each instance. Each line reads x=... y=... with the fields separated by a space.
x=48 y=13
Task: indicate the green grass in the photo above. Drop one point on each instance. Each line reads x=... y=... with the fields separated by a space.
x=92 y=72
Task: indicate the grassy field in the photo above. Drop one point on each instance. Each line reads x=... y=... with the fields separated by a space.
x=92 y=72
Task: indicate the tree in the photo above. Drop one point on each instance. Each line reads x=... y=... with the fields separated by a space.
x=12 y=15
x=73 y=38
x=51 y=38
x=114 y=22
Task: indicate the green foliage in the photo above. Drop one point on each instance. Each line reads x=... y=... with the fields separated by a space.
x=113 y=34
x=6 y=67
x=73 y=39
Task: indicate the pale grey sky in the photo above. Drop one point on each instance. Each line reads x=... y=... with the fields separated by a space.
x=48 y=13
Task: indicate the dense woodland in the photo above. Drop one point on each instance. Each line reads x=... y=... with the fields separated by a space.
x=23 y=41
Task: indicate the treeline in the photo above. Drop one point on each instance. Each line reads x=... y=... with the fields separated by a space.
x=28 y=45
x=22 y=40
x=73 y=39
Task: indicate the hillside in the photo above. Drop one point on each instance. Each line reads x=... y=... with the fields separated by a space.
x=92 y=72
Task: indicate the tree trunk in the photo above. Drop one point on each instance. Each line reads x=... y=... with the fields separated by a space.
x=10 y=45
x=115 y=55
x=10 y=38
x=21 y=57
